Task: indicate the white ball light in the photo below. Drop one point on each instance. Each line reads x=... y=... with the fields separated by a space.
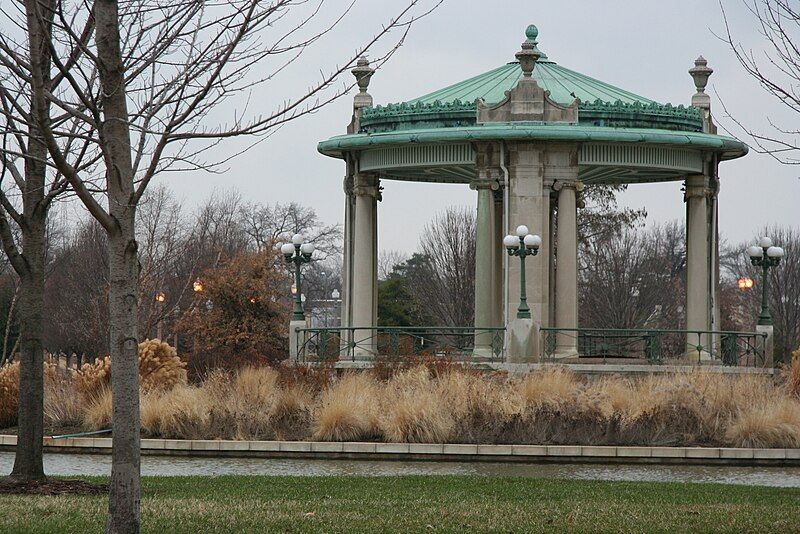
x=297 y=239
x=755 y=251
x=522 y=230
x=775 y=252
x=287 y=249
x=510 y=241
x=765 y=242
x=533 y=241
x=307 y=248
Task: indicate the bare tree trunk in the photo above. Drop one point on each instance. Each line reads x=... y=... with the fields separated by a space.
x=28 y=461
x=124 y=497
x=124 y=490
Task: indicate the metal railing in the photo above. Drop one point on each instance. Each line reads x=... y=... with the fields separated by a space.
x=657 y=346
x=353 y=343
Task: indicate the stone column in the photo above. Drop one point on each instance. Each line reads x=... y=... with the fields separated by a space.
x=365 y=261
x=697 y=266
x=347 y=263
x=484 y=263
x=498 y=256
x=567 y=269
x=486 y=245
x=528 y=198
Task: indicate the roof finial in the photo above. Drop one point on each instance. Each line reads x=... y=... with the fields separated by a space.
x=529 y=54
x=363 y=72
x=700 y=73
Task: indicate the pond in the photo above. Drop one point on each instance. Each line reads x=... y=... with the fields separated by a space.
x=99 y=464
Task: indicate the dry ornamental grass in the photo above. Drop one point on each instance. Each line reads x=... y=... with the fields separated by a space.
x=434 y=404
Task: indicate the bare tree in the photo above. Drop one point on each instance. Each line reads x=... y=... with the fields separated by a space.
x=634 y=279
x=387 y=260
x=277 y=223
x=141 y=79
x=28 y=188
x=442 y=273
x=776 y=68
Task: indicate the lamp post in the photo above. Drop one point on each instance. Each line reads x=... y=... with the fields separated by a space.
x=297 y=253
x=766 y=256
x=160 y=298
x=522 y=245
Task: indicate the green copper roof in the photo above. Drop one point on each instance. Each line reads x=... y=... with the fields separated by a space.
x=726 y=147
x=565 y=85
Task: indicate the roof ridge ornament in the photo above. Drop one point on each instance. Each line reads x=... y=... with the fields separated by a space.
x=529 y=54
x=363 y=73
x=700 y=74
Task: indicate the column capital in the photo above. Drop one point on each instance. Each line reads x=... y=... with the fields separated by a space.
x=575 y=185
x=482 y=183
x=368 y=191
x=697 y=185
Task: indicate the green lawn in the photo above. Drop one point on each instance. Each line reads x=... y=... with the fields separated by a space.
x=419 y=503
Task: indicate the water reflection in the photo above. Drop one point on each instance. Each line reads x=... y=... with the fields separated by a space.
x=91 y=464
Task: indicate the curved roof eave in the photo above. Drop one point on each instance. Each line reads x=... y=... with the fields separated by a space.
x=727 y=147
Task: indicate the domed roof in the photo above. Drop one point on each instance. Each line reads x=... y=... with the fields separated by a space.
x=600 y=103
x=565 y=86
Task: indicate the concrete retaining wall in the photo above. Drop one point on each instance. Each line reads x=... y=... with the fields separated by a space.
x=431 y=451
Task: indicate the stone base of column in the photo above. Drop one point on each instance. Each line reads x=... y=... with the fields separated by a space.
x=296 y=342
x=482 y=354
x=692 y=355
x=564 y=353
x=768 y=344
x=365 y=345
x=522 y=341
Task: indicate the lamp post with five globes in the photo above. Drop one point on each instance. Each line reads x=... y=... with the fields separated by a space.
x=766 y=256
x=522 y=245
x=297 y=253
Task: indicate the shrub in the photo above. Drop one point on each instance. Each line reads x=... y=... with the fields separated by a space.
x=159 y=366
x=91 y=378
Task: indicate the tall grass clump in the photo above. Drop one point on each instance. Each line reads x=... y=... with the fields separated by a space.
x=9 y=394
x=793 y=375
x=97 y=410
x=412 y=409
x=774 y=423
x=183 y=412
x=349 y=410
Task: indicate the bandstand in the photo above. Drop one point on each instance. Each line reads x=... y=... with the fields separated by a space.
x=528 y=136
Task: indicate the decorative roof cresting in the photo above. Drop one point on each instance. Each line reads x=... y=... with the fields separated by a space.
x=529 y=54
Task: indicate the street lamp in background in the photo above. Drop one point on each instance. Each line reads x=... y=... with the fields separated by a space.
x=766 y=256
x=297 y=253
x=522 y=245
x=160 y=298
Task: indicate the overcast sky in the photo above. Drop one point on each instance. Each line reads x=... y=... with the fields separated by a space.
x=644 y=46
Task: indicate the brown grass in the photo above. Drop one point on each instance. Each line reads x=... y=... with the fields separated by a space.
x=435 y=404
x=774 y=423
x=9 y=394
x=349 y=410
x=793 y=375
x=98 y=410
